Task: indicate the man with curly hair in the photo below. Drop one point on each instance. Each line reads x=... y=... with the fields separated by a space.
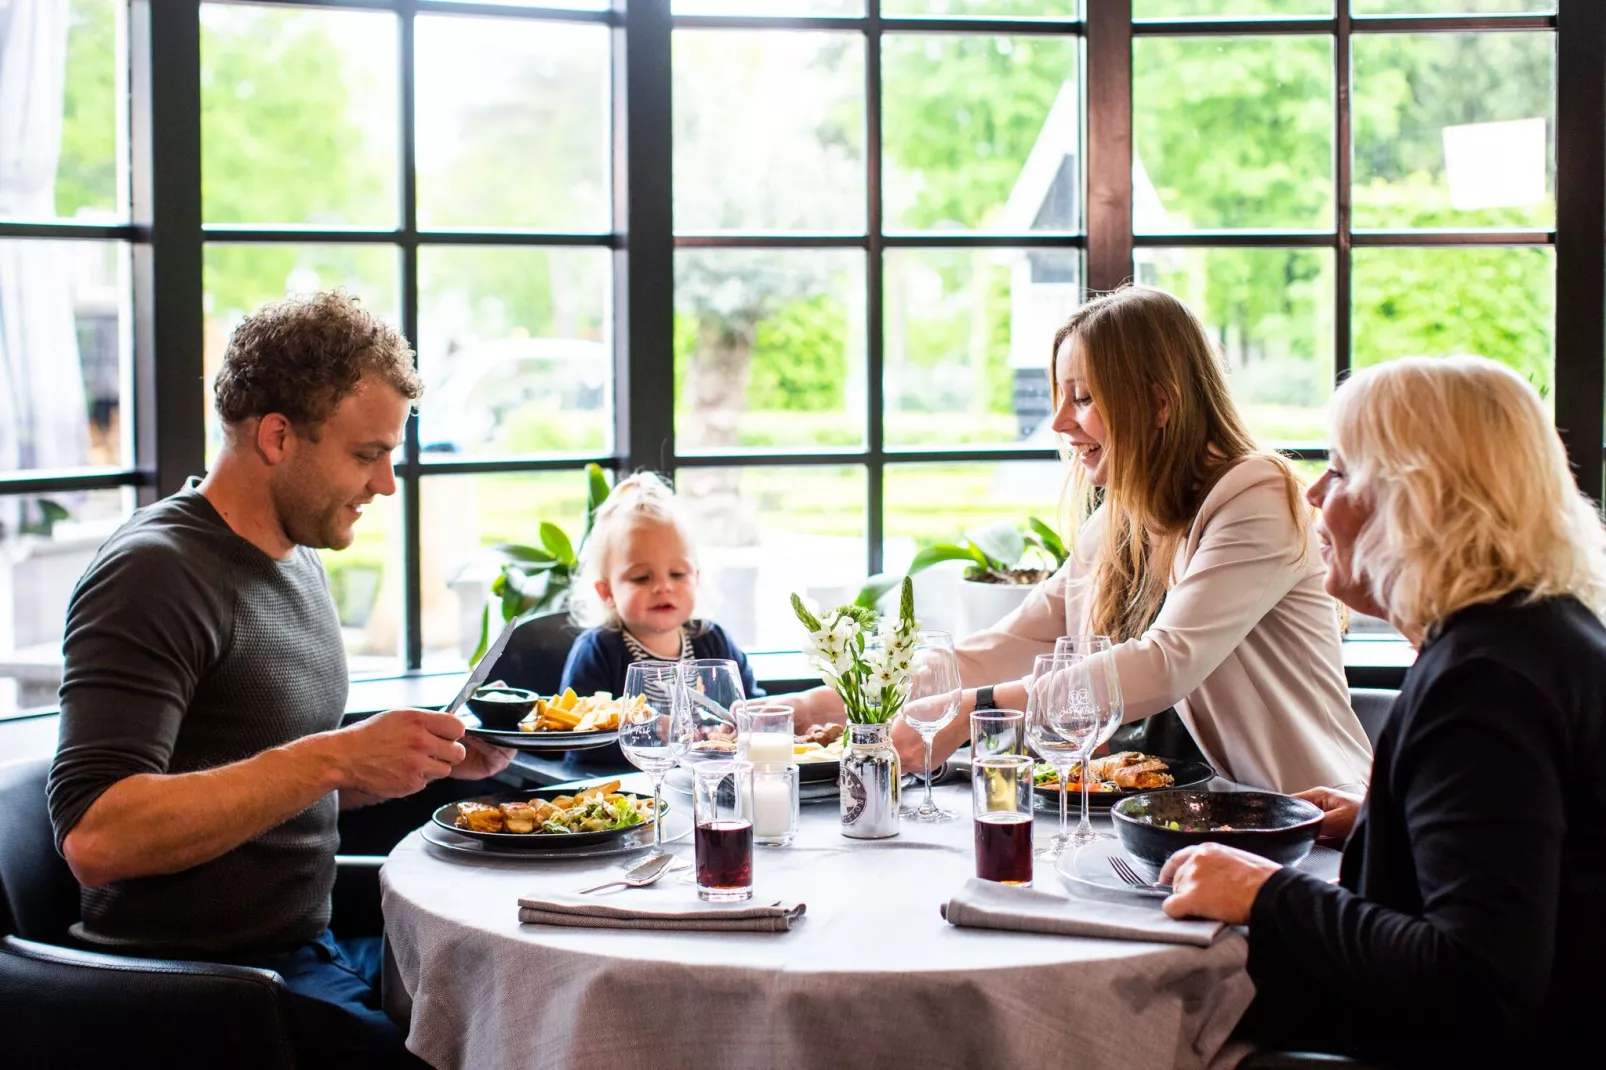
x=201 y=760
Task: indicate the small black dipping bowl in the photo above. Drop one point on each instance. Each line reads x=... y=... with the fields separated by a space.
x=502 y=708
x=1279 y=827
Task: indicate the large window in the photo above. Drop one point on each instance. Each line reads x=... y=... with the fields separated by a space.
x=806 y=255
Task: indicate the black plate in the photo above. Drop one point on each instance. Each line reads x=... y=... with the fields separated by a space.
x=1185 y=774
x=446 y=818
x=817 y=772
x=548 y=741
x=1278 y=827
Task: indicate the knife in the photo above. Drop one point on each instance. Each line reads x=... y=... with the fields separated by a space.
x=483 y=668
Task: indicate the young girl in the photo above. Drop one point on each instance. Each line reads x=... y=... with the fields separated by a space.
x=638 y=586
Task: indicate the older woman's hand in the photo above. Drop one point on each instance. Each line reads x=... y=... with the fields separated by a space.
x=1339 y=809
x=1213 y=881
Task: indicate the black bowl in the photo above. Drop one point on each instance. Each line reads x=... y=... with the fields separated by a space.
x=502 y=707
x=1278 y=827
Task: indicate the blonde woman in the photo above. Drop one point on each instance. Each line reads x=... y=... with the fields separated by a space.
x=1192 y=552
x=1467 y=927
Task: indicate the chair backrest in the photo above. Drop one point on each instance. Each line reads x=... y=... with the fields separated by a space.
x=38 y=895
x=1372 y=706
x=536 y=652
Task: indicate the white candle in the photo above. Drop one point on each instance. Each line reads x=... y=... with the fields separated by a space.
x=772 y=805
x=769 y=748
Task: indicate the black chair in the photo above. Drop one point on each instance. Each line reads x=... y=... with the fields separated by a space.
x=536 y=652
x=65 y=1007
x=1372 y=706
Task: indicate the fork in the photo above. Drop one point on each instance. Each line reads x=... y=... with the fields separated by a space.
x=1128 y=875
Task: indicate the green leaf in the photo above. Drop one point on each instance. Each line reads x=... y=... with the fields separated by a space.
x=597 y=491
x=485 y=635
x=874 y=588
x=1050 y=540
x=810 y=621
x=557 y=543
x=906 y=602
x=944 y=551
x=518 y=552
x=1002 y=544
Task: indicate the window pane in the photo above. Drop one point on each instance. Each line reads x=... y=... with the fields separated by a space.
x=1450 y=7
x=1492 y=302
x=513 y=345
x=769 y=131
x=288 y=94
x=1455 y=130
x=366 y=581
x=769 y=349
x=981 y=133
x=567 y=5
x=1000 y=9
x=938 y=503
x=767 y=7
x=239 y=277
x=46 y=542
x=1204 y=9
x=968 y=335
x=765 y=533
x=1232 y=133
x=1270 y=313
x=78 y=169
x=65 y=330
x=513 y=121
x=462 y=517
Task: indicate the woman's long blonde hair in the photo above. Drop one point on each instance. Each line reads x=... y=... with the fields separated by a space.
x=1142 y=347
x=1470 y=492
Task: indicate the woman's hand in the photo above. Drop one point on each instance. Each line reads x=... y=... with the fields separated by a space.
x=952 y=736
x=1339 y=807
x=1214 y=881
x=818 y=705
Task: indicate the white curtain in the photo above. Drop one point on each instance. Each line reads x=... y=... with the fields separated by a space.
x=43 y=418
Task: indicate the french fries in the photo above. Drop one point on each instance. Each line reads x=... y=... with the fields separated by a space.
x=569 y=712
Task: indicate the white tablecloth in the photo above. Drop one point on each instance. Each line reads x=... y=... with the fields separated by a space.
x=871 y=976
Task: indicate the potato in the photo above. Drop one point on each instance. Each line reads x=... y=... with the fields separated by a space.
x=563 y=802
x=567 y=700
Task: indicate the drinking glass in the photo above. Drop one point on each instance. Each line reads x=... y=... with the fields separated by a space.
x=713 y=692
x=1059 y=730
x=997 y=732
x=764 y=733
x=1095 y=687
x=651 y=730
x=722 y=808
x=1001 y=785
x=933 y=702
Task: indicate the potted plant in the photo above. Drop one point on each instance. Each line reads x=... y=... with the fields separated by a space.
x=537 y=579
x=997 y=577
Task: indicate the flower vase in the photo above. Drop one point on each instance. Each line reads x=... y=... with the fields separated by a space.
x=869 y=783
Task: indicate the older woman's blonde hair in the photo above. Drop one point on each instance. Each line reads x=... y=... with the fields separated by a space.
x=641 y=498
x=1470 y=493
x=1141 y=346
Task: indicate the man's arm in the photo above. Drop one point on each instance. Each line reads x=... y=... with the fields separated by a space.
x=150 y=824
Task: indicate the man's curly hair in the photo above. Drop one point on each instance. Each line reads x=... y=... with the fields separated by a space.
x=303 y=355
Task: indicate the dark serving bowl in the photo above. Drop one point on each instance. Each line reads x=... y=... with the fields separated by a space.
x=1278 y=827
x=502 y=707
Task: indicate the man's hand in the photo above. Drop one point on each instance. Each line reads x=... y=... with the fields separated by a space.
x=1339 y=807
x=483 y=760
x=1214 y=881
x=395 y=753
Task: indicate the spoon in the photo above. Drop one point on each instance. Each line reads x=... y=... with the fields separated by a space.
x=643 y=874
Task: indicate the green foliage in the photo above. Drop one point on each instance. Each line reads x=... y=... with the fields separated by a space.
x=995 y=550
x=86 y=176
x=800 y=359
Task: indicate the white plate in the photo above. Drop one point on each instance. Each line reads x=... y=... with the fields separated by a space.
x=1088 y=866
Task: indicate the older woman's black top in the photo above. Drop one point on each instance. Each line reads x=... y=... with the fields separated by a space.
x=1470 y=920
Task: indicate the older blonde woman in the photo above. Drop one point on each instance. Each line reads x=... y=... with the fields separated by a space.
x=1470 y=918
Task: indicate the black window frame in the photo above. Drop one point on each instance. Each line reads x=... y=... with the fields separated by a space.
x=168 y=237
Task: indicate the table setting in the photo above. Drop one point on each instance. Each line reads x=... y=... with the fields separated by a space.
x=734 y=926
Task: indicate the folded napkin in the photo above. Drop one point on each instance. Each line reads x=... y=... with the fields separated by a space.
x=588 y=913
x=985 y=905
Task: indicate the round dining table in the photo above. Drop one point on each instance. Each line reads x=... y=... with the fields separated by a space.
x=870 y=975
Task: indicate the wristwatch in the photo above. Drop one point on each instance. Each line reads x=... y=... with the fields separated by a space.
x=984 y=698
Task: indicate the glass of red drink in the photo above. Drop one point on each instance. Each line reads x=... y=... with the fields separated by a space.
x=1002 y=787
x=722 y=809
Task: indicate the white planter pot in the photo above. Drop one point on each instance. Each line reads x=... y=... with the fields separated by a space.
x=981 y=605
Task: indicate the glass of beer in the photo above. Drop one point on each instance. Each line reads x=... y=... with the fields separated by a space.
x=1002 y=786
x=722 y=809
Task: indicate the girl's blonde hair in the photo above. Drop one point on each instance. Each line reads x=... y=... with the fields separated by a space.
x=641 y=497
x=1470 y=492
x=1142 y=347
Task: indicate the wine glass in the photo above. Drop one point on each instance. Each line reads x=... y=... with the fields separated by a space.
x=712 y=691
x=932 y=703
x=652 y=734
x=1059 y=730
x=1095 y=684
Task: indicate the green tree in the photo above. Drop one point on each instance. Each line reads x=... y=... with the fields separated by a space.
x=86 y=176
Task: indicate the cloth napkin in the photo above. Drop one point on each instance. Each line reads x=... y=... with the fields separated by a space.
x=586 y=913
x=986 y=905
